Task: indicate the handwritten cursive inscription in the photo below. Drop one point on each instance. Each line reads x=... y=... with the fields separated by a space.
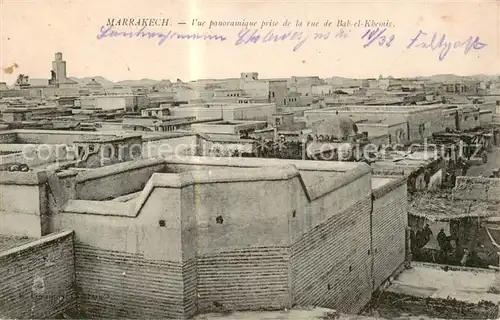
x=248 y=36
x=378 y=36
x=443 y=45
x=108 y=32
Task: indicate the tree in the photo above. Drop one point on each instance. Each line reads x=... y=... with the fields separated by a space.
x=20 y=79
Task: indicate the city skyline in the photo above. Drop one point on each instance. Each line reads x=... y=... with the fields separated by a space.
x=72 y=28
x=250 y=159
x=16 y=70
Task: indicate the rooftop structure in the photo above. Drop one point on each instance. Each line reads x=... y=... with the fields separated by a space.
x=274 y=90
x=58 y=73
x=39 y=148
x=245 y=109
x=422 y=121
x=469 y=214
x=283 y=208
x=236 y=127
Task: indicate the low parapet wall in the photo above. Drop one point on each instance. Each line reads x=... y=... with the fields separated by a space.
x=23 y=203
x=36 y=155
x=117 y=180
x=49 y=136
x=219 y=225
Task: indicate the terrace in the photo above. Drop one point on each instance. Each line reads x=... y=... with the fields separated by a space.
x=129 y=184
x=39 y=148
x=9 y=242
x=430 y=290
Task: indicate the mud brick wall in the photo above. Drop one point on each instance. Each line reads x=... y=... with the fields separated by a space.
x=389 y=221
x=115 y=284
x=331 y=264
x=244 y=279
x=431 y=119
x=37 y=279
x=190 y=280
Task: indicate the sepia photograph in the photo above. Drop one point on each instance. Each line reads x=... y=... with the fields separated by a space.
x=250 y=159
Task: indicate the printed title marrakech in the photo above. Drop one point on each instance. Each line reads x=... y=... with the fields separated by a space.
x=138 y=22
x=163 y=22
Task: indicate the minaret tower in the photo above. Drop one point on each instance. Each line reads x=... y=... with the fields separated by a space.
x=59 y=68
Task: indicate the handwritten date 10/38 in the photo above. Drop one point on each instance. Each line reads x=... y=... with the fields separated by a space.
x=378 y=36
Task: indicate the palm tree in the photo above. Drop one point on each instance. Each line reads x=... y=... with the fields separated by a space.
x=20 y=78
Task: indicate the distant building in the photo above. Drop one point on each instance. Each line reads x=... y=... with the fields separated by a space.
x=95 y=87
x=156 y=112
x=110 y=102
x=312 y=80
x=119 y=89
x=162 y=124
x=183 y=92
x=162 y=86
x=157 y=99
x=26 y=113
x=274 y=91
x=467 y=87
x=58 y=74
x=226 y=95
x=230 y=127
x=244 y=109
x=389 y=83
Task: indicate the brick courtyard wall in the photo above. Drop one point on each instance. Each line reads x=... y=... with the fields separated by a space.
x=113 y=284
x=330 y=249
x=37 y=278
x=389 y=221
x=244 y=279
x=202 y=242
x=331 y=264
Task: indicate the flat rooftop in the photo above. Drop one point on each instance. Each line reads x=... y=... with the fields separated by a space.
x=429 y=280
x=9 y=242
x=444 y=207
x=318 y=178
x=379 y=182
x=30 y=136
x=378 y=108
x=382 y=123
x=235 y=105
x=233 y=122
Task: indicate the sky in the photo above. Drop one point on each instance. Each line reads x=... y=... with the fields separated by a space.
x=32 y=31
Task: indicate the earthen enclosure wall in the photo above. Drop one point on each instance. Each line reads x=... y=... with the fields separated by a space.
x=240 y=235
x=37 y=278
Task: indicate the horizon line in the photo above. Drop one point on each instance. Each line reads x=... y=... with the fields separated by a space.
x=276 y=77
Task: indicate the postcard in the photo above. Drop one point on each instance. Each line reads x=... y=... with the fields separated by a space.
x=249 y=159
